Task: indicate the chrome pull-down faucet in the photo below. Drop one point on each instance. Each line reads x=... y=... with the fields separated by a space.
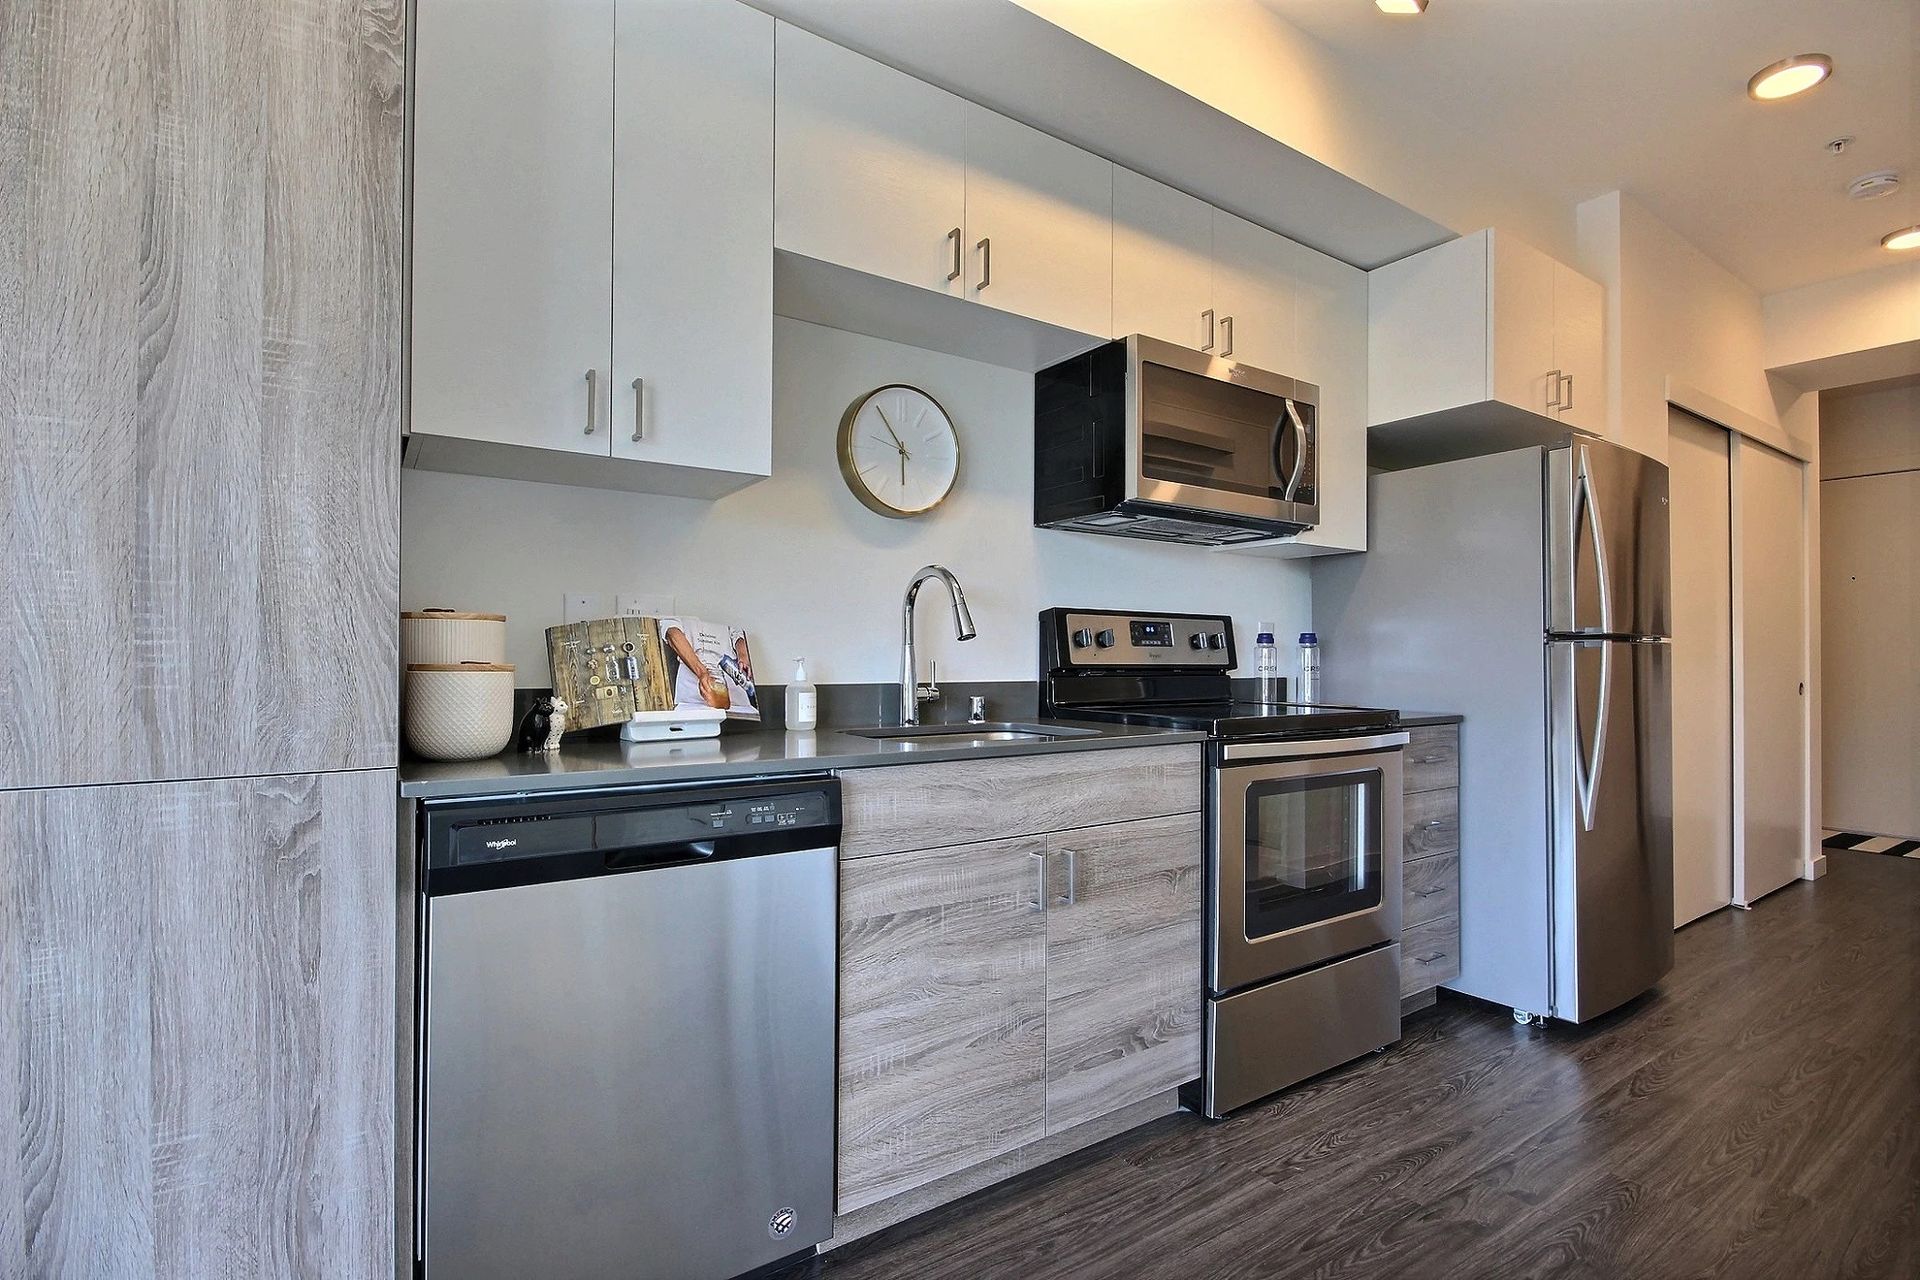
x=912 y=692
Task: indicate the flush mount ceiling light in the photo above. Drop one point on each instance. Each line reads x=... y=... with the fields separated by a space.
x=1400 y=6
x=1904 y=238
x=1789 y=76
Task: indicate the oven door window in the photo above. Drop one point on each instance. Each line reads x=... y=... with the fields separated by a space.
x=1313 y=850
x=1210 y=434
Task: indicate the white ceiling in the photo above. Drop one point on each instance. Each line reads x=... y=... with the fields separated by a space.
x=1649 y=96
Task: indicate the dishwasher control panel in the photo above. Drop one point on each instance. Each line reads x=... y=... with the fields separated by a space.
x=639 y=826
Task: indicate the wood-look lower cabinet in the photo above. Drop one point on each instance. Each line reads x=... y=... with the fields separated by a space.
x=1123 y=965
x=998 y=991
x=943 y=1012
x=1430 y=872
x=200 y=1029
x=199 y=388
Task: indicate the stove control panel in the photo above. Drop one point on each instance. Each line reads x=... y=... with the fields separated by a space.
x=1087 y=639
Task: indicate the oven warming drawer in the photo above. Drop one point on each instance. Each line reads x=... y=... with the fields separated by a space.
x=1266 y=1038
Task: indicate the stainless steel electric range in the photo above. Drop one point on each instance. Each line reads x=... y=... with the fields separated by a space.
x=1302 y=954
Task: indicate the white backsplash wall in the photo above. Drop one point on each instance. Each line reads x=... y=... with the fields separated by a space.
x=801 y=564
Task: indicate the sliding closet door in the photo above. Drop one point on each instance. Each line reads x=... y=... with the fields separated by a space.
x=1770 y=669
x=1698 y=482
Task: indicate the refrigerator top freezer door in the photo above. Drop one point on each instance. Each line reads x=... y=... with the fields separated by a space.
x=1606 y=541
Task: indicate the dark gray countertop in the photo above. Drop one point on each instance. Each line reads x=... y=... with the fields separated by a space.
x=613 y=763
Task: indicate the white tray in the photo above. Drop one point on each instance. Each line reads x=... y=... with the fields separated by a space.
x=683 y=722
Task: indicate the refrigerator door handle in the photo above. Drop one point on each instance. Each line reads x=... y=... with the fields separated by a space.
x=1585 y=504
x=1587 y=769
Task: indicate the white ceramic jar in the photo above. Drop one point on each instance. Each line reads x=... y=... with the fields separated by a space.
x=459 y=710
x=447 y=636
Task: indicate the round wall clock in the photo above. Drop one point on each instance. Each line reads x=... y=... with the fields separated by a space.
x=898 y=451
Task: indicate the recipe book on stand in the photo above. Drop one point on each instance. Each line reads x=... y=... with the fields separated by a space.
x=659 y=672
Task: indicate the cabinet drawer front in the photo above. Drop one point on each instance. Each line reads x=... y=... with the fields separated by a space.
x=943 y=994
x=1433 y=758
x=918 y=806
x=1433 y=823
x=1429 y=954
x=1429 y=889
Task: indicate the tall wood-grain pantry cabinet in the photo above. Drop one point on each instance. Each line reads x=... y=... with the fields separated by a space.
x=200 y=320
x=592 y=242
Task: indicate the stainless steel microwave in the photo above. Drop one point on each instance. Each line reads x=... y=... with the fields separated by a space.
x=1145 y=439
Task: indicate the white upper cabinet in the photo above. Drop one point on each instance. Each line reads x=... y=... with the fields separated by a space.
x=1162 y=263
x=692 y=378
x=593 y=204
x=512 y=178
x=1488 y=334
x=1253 y=293
x=1579 y=348
x=870 y=165
x=1039 y=225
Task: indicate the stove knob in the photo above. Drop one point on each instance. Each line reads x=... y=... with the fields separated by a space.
x=1104 y=639
x=1197 y=640
x=1082 y=638
x=1219 y=640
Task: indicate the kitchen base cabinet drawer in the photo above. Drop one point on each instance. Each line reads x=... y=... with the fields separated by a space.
x=1429 y=889
x=1432 y=758
x=1429 y=954
x=1433 y=823
x=917 y=806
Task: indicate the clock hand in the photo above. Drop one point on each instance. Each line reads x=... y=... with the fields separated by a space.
x=897 y=443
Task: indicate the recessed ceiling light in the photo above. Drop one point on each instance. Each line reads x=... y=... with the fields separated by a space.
x=1789 y=76
x=1400 y=6
x=1904 y=238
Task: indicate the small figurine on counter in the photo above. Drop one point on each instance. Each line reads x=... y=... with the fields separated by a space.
x=543 y=724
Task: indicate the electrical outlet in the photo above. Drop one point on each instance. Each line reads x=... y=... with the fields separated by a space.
x=583 y=607
x=643 y=604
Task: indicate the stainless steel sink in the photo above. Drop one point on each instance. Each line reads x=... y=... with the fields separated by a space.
x=950 y=735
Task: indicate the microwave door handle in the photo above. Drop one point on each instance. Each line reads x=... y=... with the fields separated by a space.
x=1291 y=421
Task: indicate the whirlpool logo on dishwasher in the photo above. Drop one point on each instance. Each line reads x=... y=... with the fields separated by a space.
x=502 y=844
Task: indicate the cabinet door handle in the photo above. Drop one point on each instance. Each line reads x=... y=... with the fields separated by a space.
x=1207 y=315
x=639 y=408
x=955 y=236
x=1431 y=759
x=1434 y=824
x=593 y=400
x=1072 y=895
x=1038 y=902
x=1566 y=405
x=986 y=262
x=1553 y=380
x=1226 y=323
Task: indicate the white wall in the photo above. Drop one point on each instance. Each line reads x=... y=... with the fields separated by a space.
x=1868 y=312
x=802 y=565
x=1870 y=603
x=1675 y=317
x=1244 y=59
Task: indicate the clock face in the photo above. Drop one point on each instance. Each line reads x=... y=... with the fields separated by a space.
x=898 y=451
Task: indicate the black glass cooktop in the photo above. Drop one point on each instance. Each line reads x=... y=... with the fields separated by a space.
x=1239 y=719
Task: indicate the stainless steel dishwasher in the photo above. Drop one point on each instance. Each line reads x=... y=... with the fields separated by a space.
x=627 y=1032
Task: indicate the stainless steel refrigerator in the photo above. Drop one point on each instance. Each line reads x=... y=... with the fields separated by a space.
x=1528 y=591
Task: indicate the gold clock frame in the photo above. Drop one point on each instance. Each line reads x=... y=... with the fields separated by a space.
x=843 y=446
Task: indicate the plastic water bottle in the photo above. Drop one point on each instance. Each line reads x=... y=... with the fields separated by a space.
x=1309 y=690
x=1267 y=665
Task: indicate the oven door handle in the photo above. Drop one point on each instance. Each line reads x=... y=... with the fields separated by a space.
x=1250 y=752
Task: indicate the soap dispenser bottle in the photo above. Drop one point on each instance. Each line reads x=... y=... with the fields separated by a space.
x=803 y=700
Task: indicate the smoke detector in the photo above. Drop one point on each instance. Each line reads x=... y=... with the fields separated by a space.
x=1874 y=185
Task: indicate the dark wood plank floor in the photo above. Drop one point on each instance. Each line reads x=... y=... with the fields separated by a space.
x=1757 y=1116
